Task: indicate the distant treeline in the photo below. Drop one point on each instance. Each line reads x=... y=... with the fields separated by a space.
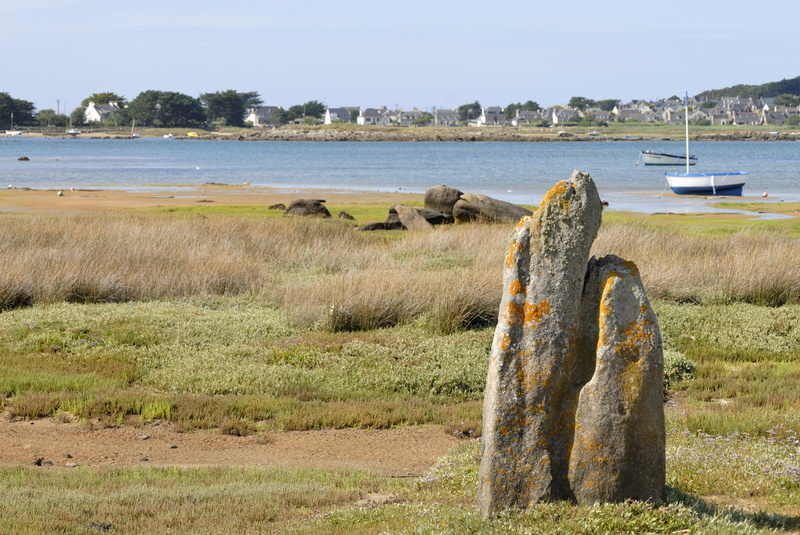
x=771 y=89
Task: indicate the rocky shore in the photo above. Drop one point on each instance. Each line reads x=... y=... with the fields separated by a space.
x=451 y=134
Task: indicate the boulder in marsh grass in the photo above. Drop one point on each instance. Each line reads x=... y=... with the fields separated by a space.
x=307 y=207
x=442 y=198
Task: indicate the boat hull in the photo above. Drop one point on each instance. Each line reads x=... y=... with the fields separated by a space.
x=660 y=158
x=707 y=183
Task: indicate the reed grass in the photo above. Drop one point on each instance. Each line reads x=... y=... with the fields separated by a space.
x=323 y=273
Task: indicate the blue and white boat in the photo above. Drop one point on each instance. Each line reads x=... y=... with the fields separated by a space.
x=723 y=183
x=730 y=183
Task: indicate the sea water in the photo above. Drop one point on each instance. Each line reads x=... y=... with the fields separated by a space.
x=516 y=172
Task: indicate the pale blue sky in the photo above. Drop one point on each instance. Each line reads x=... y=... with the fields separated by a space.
x=410 y=53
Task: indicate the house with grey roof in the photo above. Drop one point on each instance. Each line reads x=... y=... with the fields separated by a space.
x=261 y=116
x=445 y=117
x=745 y=118
x=374 y=117
x=340 y=115
x=529 y=117
x=492 y=116
x=95 y=113
x=406 y=118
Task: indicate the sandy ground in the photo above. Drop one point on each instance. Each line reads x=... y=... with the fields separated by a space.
x=85 y=200
x=47 y=443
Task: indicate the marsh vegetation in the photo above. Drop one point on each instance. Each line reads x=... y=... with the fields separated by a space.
x=247 y=324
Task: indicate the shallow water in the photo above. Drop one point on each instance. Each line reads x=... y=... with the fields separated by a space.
x=516 y=172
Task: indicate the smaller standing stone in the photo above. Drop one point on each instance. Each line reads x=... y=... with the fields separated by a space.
x=619 y=446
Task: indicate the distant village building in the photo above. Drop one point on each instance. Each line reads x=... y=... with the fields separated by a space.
x=373 y=117
x=406 y=118
x=340 y=115
x=528 y=117
x=95 y=113
x=492 y=116
x=563 y=115
x=445 y=117
x=261 y=116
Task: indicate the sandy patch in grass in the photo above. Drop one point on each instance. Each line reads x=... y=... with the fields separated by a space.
x=102 y=200
x=396 y=452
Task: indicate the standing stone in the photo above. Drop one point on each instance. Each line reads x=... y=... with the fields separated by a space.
x=530 y=395
x=619 y=445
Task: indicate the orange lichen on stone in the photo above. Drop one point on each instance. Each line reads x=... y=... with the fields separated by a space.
x=631 y=266
x=513 y=250
x=523 y=220
x=513 y=313
x=556 y=191
x=516 y=288
x=534 y=313
x=505 y=342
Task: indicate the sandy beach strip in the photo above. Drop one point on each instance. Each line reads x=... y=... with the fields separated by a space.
x=43 y=201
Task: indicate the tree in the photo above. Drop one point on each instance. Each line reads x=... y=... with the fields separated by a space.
x=785 y=99
x=708 y=104
x=511 y=109
x=22 y=110
x=467 y=112
x=423 y=120
x=166 y=108
x=607 y=104
x=580 y=103
x=229 y=107
x=312 y=108
x=49 y=117
x=103 y=98
x=793 y=120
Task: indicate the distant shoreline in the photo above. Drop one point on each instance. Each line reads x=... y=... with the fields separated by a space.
x=339 y=133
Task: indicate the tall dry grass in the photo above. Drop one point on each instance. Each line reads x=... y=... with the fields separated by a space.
x=751 y=265
x=323 y=273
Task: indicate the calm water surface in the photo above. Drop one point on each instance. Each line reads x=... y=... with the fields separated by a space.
x=517 y=172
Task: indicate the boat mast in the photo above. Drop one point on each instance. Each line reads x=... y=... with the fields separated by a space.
x=686 y=101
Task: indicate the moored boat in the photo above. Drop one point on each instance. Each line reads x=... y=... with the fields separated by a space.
x=718 y=183
x=730 y=183
x=661 y=158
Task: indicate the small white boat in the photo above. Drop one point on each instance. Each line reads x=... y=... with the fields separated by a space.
x=722 y=183
x=661 y=158
x=167 y=136
x=12 y=132
x=73 y=132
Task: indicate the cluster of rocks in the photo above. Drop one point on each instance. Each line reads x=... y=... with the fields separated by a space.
x=573 y=406
x=444 y=205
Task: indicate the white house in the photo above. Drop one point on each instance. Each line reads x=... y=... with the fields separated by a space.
x=261 y=115
x=95 y=113
x=339 y=115
x=492 y=116
x=373 y=117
